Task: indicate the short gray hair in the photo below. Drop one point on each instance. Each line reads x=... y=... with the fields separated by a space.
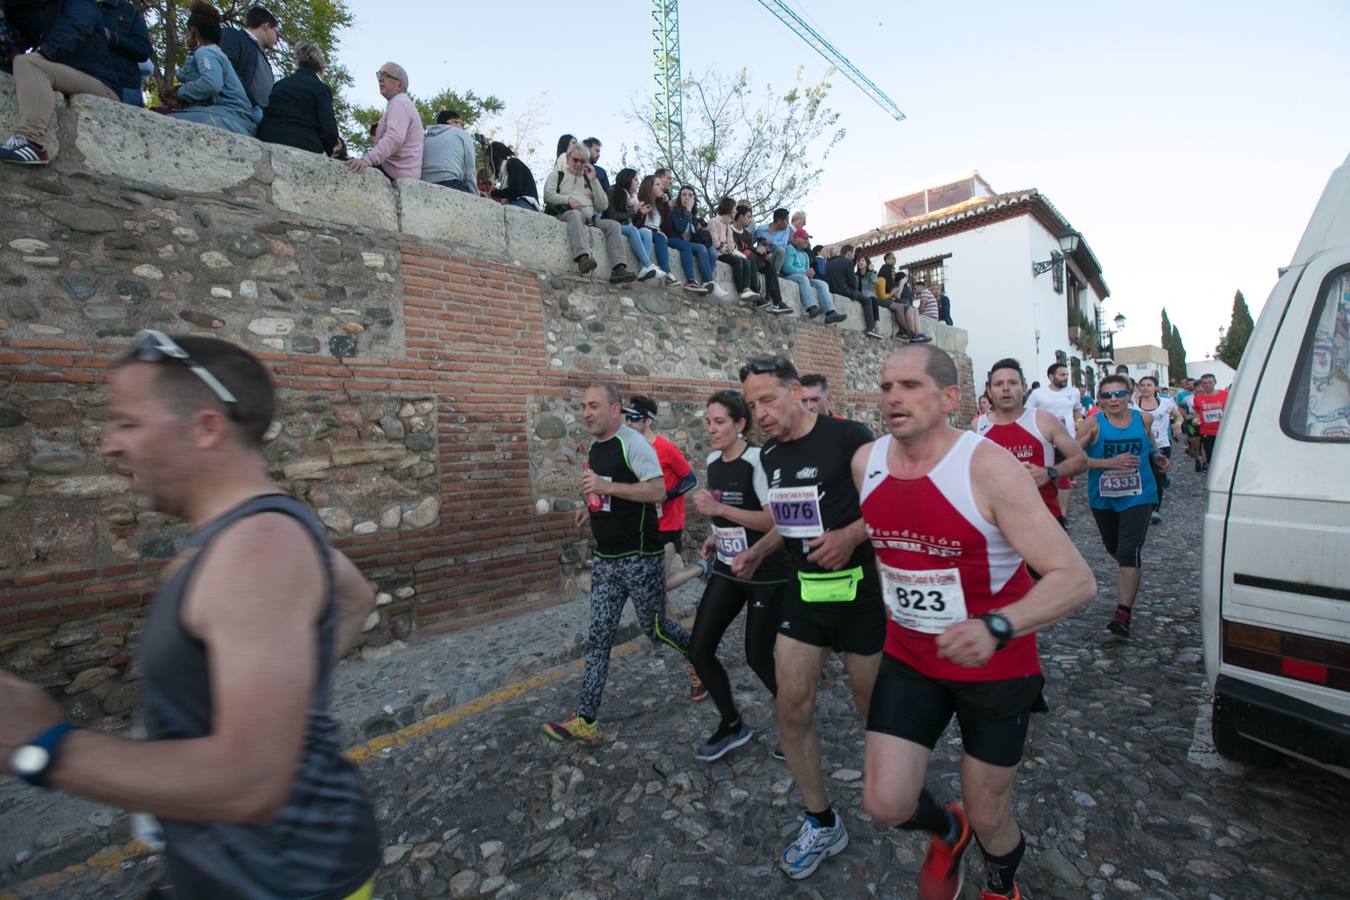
x=398 y=70
x=612 y=392
x=308 y=56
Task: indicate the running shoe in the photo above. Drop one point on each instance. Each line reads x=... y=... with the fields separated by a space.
x=717 y=290
x=872 y=333
x=670 y=280
x=995 y=895
x=23 y=151
x=813 y=845
x=941 y=876
x=834 y=317
x=694 y=287
x=813 y=312
x=648 y=271
x=1154 y=518
x=620 y=275
x=723 y=741
x=697 y=691
x=748 y=294
x=921 y=338
x=780 y=310
x=1120 y=625
x=574 y=729
x=762 y=303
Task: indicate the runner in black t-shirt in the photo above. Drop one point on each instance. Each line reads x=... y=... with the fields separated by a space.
x=832 y=600
x=621 y=484
x=737 y=500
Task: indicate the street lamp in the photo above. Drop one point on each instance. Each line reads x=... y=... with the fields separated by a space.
x=1068 y=243
x=1106 y=337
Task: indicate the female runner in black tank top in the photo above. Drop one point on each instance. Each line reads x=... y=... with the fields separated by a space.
x=736 y=498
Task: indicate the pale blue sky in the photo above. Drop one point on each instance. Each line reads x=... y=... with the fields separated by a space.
x=1187 y=141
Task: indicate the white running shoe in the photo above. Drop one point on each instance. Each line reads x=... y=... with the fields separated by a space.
x=718 y=291
x=812 y=846
x=748 y=294
x=648 y=271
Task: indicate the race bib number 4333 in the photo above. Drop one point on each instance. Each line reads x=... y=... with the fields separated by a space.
x=928 y=600
x=796 y=511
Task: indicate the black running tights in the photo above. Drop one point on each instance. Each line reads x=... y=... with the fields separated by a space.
x=721 y=603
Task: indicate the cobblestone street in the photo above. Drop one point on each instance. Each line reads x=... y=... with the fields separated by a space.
x=1120 y=793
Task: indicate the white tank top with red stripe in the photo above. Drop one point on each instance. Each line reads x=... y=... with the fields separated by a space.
x=1023 y=439
x=941 y=562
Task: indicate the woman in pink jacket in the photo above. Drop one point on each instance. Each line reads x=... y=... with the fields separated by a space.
x=724 y=245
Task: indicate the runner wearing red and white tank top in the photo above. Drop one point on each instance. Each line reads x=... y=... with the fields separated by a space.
x=1024 y=440
x=941 y=563
x=952 y=517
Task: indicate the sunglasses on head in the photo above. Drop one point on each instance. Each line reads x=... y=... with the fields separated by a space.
x=156 y=346
x=776 y=365
x=1113 y=395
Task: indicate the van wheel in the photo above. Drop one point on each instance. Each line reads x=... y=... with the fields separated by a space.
x=1234 y=746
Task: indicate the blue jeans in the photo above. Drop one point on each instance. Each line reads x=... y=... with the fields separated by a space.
x=689 y=251
x=458 y=184
x=807 y=286
x=640 y=239
x=523 y=204
x=661 y=248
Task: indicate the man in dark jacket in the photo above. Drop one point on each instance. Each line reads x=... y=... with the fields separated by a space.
x=129 y=40
x=73 y=58
x=841 y=273
x=245 y=48
x=300 y=111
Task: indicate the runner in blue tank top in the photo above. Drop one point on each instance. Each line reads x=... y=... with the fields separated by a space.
x=1121 y=486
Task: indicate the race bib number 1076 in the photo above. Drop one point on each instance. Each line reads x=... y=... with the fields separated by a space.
x=796 y=511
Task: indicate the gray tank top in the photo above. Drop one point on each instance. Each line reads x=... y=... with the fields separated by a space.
x=324 y=842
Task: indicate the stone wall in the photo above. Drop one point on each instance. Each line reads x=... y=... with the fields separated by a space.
x=429 y=349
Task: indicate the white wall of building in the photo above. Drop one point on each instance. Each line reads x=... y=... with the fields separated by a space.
x=1222 y=372
x=1140 y=369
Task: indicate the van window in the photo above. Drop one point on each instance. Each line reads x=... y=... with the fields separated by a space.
x=1317 y=406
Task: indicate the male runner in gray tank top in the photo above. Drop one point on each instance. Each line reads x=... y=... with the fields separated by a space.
x=242 y=764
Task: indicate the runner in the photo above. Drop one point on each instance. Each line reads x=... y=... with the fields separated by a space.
x=1031 y=435
x=242 y=764
x=622 y=484
x=816 y=395
x=952 y=516
x=1062 y=402
x=737 y=499
x=679 y=479
x=1121 y=488
x=1164 y=420
x=1208 y=405
x=833 y=598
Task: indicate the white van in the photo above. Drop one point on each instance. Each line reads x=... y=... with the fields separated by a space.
x=1275 y=589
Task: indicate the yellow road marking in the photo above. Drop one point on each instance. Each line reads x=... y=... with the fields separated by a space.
x=105 y=861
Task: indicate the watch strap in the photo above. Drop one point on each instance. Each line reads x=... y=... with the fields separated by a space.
x=1001 y=640
x=48 y=740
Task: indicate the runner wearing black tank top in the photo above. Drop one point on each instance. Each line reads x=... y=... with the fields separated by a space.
x=737 y=501
x=242 y=764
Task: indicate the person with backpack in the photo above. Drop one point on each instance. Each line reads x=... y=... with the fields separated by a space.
x=573 y=195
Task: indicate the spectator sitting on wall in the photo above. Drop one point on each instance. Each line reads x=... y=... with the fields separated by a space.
x=928 y=305
x=777 y=232
x=798 y=221
x=867 y=278
x=448 y=153
x=73 y=58
x=944 y=305
x=814 y=292
x=565 y=143
x=129 y=40
x=515 y=181
x=818 y=261
x=841 y=274
x=623 y=206
x=763 y=274
x=300 y=111
x=246 y=48
x=682 y=225
x=574 y=195
x=724 y=245
x=209 y=91
x=398 y=135
x=893 y=285
x=593 y=144
x=650 y=215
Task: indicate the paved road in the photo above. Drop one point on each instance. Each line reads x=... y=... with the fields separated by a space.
x=1121 y=794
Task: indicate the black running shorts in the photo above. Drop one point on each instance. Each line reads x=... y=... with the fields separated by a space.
x=993 y=715
x=858 y=626
x=673 y=537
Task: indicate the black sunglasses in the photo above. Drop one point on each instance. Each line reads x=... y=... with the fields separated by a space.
x=156 y=346
x=1113 y=395
x=777 y=365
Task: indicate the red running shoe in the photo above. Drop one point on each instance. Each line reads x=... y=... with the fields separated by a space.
x=941 y=876
x=990 y=895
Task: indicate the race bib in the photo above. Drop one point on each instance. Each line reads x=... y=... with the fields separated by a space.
x=606 y=500
x=1120 y=483
x=730 y=543
x=796 y=511
x=1212 y=414
x=927 y=601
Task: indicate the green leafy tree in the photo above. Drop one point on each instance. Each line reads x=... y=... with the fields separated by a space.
x=758 y=146
x=1167 y=344
x=475 y=109
x=315 y=22
x=1176 y=354
x=1233 y=339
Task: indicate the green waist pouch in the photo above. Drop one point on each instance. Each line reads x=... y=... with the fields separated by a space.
x=830 y=587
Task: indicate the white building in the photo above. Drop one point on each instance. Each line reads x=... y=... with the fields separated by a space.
x=1022 y=282
x=1145 y=359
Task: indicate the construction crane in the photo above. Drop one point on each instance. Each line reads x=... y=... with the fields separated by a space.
x=669 y=96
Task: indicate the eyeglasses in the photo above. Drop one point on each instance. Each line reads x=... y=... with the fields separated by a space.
x=156 y=346
x=777 y=365
x=1113 y=395
x=382 y=75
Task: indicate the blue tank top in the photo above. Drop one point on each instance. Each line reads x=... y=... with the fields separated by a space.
x=1121 y=488
x=324 y=842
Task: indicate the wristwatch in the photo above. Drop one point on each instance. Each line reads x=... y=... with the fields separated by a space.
x=999 y=627
x=1052 y=472
x=33 y=760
